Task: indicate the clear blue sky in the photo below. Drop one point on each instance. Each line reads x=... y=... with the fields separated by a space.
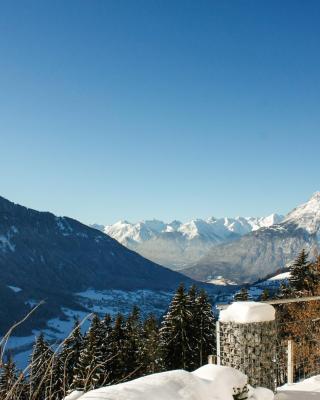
x=114 y=109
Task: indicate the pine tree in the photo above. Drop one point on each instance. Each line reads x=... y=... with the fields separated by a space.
x=40 y=368
x=193 y=329
x=242 y=295
x=90 y=368
x=116 y=363
x=22 y=390
x=284 y=292
x=174 y=334
x=132 y=345
x=56 y=389
x=314 y=277
x=106 y=352
x=205 y=323
x=149 y=348
x=301 y=277
x=69 y=355
x=8 y=379
x=265 y=295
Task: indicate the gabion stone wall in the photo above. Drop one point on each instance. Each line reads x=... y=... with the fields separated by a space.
x=250 y=348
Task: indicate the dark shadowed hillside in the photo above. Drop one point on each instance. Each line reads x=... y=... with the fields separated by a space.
x=50 y=257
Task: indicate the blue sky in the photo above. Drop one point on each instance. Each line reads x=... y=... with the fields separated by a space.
x=131 y=110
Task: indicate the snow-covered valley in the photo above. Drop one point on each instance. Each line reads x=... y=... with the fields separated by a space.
x=120 y=301
x=100 y=302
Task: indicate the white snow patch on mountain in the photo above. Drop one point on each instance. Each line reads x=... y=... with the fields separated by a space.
x=14 y=288
x=307 y=215
x=63 y=226
x=6 y=242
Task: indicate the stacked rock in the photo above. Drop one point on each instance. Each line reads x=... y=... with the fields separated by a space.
x=246 y=340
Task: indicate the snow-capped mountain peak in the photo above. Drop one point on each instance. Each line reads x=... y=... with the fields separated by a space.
x=216 y=229
x=307 y=215
x=177 y=244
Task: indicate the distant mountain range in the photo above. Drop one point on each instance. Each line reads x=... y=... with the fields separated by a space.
x=47 y=257
x=225 y=249
x=265 y=250
x=179 y=245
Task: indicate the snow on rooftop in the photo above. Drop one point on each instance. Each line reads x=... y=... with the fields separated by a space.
x=244 y=312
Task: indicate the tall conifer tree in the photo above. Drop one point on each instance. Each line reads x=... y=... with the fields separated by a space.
x=40 y=368
x=301 y=274
x=149 y=350
x=90 y=368
x=116 y=363
x=8 y=379
x=206 y=329
x=69 y=355
x=242 y=295
x=175 y=332
x=132 y=344
x=106 y=351
x=193 y=329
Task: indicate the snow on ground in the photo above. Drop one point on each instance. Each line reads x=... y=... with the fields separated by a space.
x=120 y=301
x=244 y=312
x=100 y=302
x=282 y=277
x=57 y=330
x=220 y=280
x=210 y=382
x=272 y=284
x=309 y=389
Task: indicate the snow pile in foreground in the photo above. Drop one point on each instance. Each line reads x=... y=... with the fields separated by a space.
x=210 y=382
x=309 y=389
x=244 y=312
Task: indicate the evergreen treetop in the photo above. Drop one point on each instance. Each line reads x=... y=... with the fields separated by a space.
x=242 y=295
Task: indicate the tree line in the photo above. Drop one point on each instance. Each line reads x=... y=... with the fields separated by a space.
x=116 y=350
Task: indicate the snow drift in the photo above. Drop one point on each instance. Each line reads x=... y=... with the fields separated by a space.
x=210 y=382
